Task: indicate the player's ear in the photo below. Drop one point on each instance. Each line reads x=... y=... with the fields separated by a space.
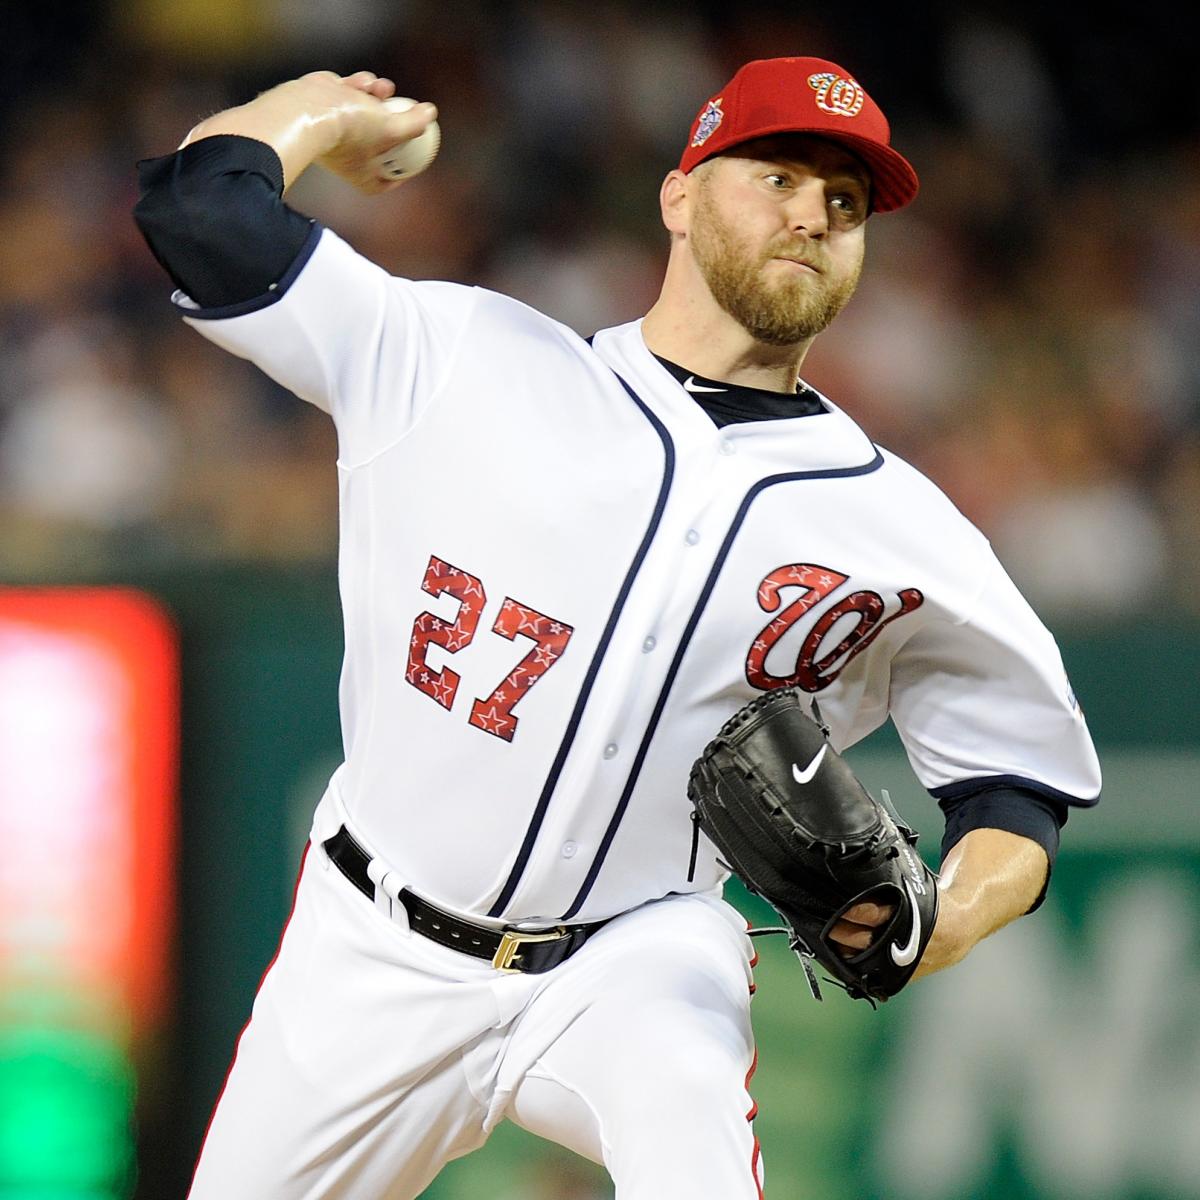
x=674 y=198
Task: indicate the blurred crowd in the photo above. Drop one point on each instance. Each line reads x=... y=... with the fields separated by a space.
x=1028 y=332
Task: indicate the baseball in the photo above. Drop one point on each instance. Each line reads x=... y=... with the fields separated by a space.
x=410 y=158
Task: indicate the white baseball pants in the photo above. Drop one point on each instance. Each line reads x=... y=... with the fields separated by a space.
x=374 y=1056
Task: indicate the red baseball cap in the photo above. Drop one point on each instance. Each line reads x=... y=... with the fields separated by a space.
x=803 y=95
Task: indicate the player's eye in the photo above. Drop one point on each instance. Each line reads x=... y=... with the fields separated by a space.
x=777 y=181
x=848 y=207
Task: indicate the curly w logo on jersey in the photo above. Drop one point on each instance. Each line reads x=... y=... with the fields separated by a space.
x=859 y=619
x=836 y=94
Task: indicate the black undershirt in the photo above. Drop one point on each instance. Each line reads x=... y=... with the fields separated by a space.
x=214 y=217
x=730 y=403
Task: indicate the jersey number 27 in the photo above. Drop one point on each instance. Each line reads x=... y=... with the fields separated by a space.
x=493 y=714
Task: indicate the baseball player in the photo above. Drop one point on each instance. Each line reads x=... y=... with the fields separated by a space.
x=564 y=563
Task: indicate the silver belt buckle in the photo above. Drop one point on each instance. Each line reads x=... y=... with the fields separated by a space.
x=511 y=941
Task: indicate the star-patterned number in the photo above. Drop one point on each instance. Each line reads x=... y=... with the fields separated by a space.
x=494 y=715
x=443 y=579
x=817 y=667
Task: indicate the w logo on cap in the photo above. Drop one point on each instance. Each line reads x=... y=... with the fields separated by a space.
x=836 y=94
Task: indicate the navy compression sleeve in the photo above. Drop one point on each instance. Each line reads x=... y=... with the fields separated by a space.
x=1014 y=809
x=214 y=217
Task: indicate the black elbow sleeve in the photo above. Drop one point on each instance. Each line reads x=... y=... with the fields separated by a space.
x=214 y=218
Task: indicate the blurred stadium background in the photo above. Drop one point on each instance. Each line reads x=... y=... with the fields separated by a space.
x=1028 y=333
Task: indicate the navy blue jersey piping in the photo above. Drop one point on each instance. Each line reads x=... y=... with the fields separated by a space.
x=539 y=812
x=652 y=725
x=244 y=307
x=983 y=783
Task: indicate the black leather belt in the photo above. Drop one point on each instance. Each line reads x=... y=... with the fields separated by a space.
x=508 y=949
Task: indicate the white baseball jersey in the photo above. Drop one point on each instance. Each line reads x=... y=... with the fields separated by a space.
x=559 y=578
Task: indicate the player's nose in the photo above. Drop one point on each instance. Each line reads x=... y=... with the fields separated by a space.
x=806 y=212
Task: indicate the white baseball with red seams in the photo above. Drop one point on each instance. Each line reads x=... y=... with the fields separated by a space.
x=558 y=578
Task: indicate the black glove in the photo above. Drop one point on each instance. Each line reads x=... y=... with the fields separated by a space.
x=791 y=820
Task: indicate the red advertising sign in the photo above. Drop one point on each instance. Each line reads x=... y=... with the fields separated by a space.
x=88 y=743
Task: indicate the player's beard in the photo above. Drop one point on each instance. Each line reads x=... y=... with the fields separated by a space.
x=794 y=308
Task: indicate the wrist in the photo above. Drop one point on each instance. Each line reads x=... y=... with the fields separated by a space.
x=303 y=121
x=953 y=933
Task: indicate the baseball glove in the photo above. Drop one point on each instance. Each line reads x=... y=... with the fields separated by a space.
x=791 y=820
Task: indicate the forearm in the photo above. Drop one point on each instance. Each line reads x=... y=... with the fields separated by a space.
x=212 y=212
x=299 y=120
x=988 y=879
x=340 y=122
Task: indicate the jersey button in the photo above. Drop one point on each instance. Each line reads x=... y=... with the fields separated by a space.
x=648 y=645
x=568 y=850
x=610 y=751
x=727 y=448
x=692 y=537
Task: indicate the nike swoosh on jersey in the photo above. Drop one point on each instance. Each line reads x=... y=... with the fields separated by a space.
x=806 y=775
x=692 y=386
x=902 y=956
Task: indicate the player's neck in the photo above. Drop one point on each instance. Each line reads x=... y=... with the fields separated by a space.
x=696 y=333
